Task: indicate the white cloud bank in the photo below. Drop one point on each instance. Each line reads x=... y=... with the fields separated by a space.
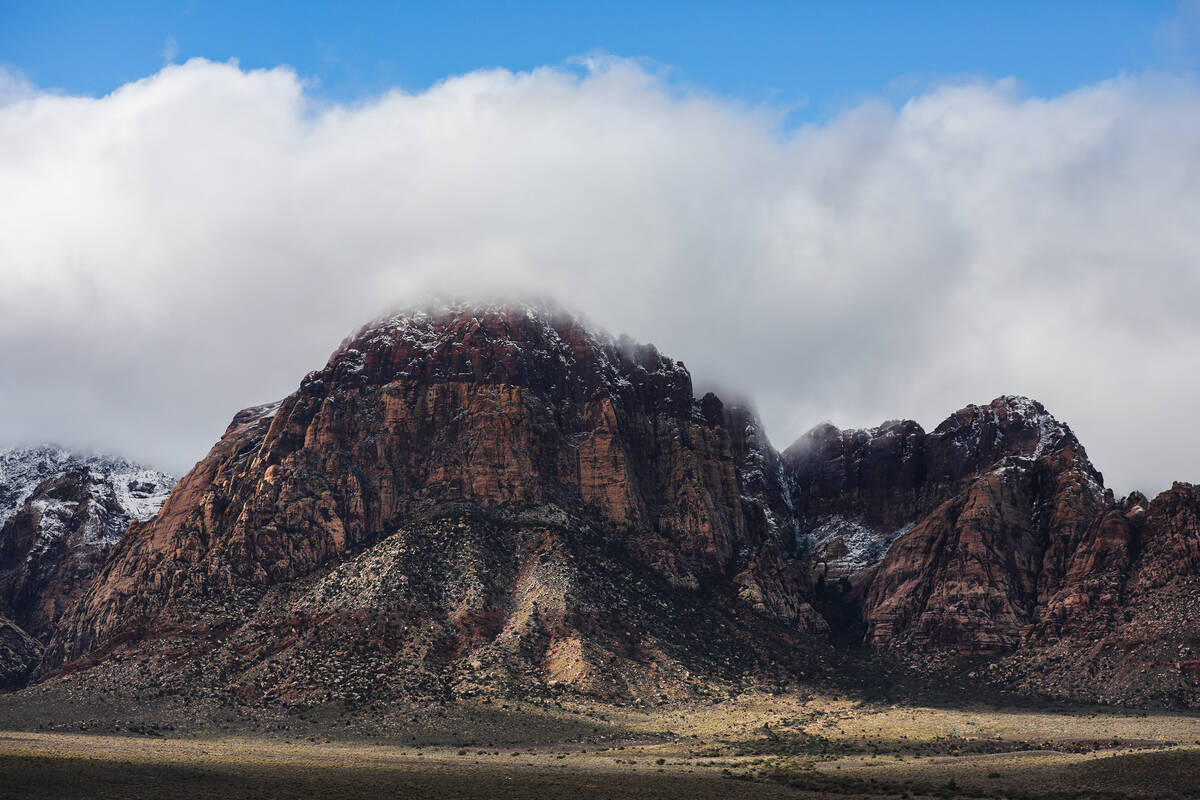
x=195 y=242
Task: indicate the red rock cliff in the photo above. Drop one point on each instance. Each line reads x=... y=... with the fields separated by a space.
x=503 y=408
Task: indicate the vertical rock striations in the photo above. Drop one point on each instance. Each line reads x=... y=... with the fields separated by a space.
x=500 y=497
x=520 y=412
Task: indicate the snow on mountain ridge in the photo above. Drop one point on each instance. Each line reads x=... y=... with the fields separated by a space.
x=541 y=335
x=137 y=491
x=847 y=546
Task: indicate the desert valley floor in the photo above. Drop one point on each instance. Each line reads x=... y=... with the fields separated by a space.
x=493 y=552
x=753 y=745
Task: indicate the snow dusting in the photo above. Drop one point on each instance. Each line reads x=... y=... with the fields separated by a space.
x=848 y=546
x=118 y=492
x=534 y=332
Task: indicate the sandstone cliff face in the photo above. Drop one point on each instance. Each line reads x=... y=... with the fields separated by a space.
x=508 y=410
x=856 y=492
x=495 y=497
x=976 y=573
x=876 y=476
x=61 y=515
x=1123 y=627
x=955 y=539
x=1013 y=552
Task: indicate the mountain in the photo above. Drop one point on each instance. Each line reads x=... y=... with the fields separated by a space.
x=945 y=532
x=486 y=498
x=60 y=515
x=475 y=496
x=1123 y=625
x=991 y=540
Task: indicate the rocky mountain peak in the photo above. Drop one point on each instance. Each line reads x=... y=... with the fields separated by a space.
x=1011 y=425
x=520 y=414
x=500 y=495
x=132 y=490
x=548 y=350
x=857 y=491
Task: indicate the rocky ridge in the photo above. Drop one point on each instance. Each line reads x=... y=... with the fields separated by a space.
x=500 y=498
x=60 y=515
x=586 y=455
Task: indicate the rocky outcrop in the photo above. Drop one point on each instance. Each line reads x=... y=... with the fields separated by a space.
x=19 y=655
x=976 y=574
x=1011 y=551
x=508 y=410
x=490 y=497
x=1123 y=626
x=954 y=539
x=856 y=492
x=876 y=476
x=61 y=515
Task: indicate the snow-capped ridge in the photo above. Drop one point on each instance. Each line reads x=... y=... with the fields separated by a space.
x=61 y=513
x=116 y=484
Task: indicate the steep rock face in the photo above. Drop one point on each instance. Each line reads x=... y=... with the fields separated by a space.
x=19 y=655
x=1125 y=625
x=1012 y=494
x=992 y=536
x=509 y=410
x=1171 y=544
x=855 y=492
x=61 y=515
x=1154 y=649
x=975 y=574
x=875 y=475
x=766 y=499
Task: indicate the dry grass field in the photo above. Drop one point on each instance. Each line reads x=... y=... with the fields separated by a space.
x=751 y=746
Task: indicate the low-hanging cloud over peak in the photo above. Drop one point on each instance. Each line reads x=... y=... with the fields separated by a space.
x=195 y=241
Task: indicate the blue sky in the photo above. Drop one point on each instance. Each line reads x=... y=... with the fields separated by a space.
x=818 y=57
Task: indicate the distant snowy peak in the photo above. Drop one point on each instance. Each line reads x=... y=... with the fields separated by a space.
x=22 y=469
x=121 y=487
x=61 y=513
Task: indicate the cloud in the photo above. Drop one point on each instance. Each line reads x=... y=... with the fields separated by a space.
x=170 y=49
x=14 y=86
x=196 y=241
